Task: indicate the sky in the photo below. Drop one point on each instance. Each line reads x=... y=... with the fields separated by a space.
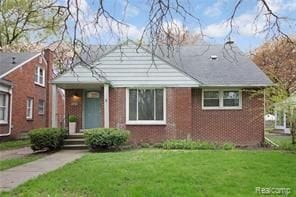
x=213 y=14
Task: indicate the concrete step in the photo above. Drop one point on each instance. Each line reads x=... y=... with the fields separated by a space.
x=75 y=146
x=75 y=136
x=71 y=141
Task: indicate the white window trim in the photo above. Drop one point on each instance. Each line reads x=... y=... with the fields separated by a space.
x=31 y=109
x=145 y=122
x=37 y=82
x=221 y=107
x=5 y=121
x=43 y=112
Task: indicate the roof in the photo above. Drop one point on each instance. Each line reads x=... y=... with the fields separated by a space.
x=228 y=67
x=6 y=61
x=231 y=67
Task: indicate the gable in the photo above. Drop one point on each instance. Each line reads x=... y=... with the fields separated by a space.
x=130 y=66
x=6 y=64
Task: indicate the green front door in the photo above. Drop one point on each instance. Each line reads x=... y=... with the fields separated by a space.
x=92 y=111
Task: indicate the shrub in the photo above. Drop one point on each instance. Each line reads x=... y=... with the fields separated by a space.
x=50 y=138
x=228 y=146
x=194 y=145
x=72 y=118
x=105 y=138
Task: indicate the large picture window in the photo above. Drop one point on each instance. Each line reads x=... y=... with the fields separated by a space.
x=4 y=108
x=146 y=106
x=221 y=99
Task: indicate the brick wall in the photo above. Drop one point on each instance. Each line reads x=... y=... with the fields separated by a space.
x=74 y=106
x=178 y=117
x=186 y=119
x=242 y=127
x=24 y=87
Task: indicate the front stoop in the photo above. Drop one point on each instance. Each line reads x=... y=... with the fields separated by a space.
x=75 y=141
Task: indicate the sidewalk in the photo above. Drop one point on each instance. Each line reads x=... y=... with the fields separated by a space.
x=14 y=153
x=13 y=177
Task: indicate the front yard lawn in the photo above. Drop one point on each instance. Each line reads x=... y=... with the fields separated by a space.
x=153 y=172
x=9 y=163
x=12 y=144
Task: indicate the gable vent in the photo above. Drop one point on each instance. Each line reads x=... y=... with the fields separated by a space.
x=213 y=57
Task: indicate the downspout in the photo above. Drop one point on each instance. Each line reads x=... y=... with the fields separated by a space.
x=10 y=115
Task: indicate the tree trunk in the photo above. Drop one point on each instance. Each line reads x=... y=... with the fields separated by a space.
x=293 y=132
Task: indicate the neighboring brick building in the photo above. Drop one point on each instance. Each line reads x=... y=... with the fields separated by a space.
x=25 y=96
x=181 y=96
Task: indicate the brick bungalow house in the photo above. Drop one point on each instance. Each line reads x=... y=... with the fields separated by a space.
x=200 y=92
x=25 y=94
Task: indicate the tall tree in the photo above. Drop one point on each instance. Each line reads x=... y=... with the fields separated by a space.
x=28 y=20
x=278 y=60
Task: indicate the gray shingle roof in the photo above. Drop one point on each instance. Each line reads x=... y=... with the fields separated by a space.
x=6 y=60
x=230 y=68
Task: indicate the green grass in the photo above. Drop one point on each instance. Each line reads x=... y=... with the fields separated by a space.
x=12 y=144
x=280 y=139
x=9 y=163
x=152 y=172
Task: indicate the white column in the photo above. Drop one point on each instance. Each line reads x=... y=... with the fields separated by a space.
x=54 y=106
x=106 y=105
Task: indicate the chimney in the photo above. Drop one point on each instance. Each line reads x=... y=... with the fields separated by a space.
x=13 y=60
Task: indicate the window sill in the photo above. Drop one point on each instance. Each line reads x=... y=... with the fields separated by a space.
x=41 y=114
x=29 y=119
x=221 y=108
x=38 y=84
x=3 y=122
x=145 y=123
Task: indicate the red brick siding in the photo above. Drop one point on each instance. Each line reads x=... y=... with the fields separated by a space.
x=23 y=88
x=242 y=127
x=74 y=106
x=186 y=119
x=177 y=126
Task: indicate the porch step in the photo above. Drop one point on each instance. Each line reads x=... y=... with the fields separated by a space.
x=75 y=136
x=72 y=141
x=75 y=146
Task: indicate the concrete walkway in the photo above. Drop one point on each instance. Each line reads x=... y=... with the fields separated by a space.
x=13 y=177
x=15 y=153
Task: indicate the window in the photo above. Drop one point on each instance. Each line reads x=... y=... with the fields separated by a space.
x=39 y=76
x=29 y=111
x=3 y=108
x=231 y=98
x=41 y=107
x=221 y=99
x=146 y=106
x=211 y=98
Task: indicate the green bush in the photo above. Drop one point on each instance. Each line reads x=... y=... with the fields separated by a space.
x=50 y=138
x=194 y=145
x=72 y=118
x=105 y=138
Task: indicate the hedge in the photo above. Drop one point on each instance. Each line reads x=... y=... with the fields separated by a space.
x=105 y=138
x=47 y=138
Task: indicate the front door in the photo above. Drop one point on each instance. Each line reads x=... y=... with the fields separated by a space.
x=92 y=110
